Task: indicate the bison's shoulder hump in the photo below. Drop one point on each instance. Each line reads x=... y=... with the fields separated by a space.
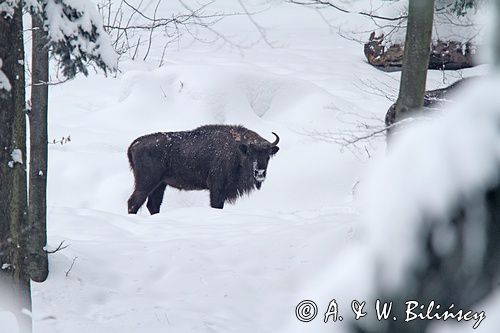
x=238 y=132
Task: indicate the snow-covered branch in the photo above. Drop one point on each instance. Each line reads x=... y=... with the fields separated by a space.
x=77 y=36
x=7 y=7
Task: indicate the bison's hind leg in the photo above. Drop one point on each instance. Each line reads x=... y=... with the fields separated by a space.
x=144 y=186
x=136 y=200
x=155 y=198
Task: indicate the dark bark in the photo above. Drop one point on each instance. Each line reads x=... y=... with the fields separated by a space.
x=416 y=57
x=37 y=265
x=13 y=185
x=433 y=99
x=451 y=55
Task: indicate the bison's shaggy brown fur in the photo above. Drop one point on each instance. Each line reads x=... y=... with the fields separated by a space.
x=226 y=160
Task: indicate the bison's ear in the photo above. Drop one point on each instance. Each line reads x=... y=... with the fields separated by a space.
x=244 y=148
x=274 y=150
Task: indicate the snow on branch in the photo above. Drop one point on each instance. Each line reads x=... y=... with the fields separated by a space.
x=17 y=157
x=7 y=7
x=4 y=80
x=76 y=36
x=32 y=6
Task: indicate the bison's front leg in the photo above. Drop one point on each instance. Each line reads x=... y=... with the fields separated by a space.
x=217 y=183
x=217 y=192
x=217 y=199
x=155 y=198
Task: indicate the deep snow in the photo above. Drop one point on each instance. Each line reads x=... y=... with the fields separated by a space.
x=191 y=268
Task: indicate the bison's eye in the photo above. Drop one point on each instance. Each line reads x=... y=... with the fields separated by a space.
x=244 y=149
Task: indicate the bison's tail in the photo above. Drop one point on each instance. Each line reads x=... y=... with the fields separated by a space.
x=129 y=155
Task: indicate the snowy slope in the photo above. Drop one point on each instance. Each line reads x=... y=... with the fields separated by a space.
x=191 y=268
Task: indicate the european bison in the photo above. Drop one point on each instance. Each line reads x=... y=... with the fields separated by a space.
x=226 y=160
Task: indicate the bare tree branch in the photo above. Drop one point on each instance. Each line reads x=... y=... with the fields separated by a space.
x=260 y=29
x=71 y=267
x=325 y=3
x=60 y=247
x=125 y=26
x=52 y=83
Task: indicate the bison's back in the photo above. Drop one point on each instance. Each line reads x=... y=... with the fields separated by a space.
x=184 y=160
x=237 y=133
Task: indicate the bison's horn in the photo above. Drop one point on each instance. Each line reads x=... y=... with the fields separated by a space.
x=275 y=141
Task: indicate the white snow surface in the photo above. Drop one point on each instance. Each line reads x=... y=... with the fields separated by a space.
x=4 y=80
x=245 y=268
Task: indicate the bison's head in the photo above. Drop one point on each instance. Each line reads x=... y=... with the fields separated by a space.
x=259 y=155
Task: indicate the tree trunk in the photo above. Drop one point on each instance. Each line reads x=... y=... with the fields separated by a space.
x=416 y=57
x=496 y=41
x=13 y=186
x=38 y=266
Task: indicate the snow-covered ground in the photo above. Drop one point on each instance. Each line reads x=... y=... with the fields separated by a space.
x=192 y=268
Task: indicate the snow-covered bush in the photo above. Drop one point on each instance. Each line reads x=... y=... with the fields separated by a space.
x=432 y=209
x=76 y=36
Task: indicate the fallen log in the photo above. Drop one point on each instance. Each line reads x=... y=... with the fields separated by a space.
x=433 y=99
x=450 y=55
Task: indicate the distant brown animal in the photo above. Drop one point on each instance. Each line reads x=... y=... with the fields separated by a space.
x=226 y=160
